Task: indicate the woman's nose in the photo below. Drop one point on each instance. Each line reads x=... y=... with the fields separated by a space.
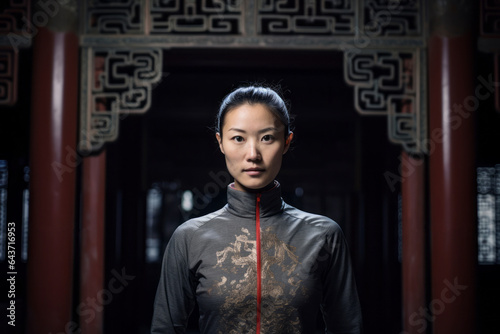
x=253 y=152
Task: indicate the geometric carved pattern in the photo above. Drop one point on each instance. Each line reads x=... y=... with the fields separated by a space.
x=125 y=77
x=490 y=18
x=390 y=82
x=8 y=76
x=306 y=17
x=380 y=76
x=14 y=27
x=113 y=17
x=386 y=83
x=250 y=18
x=117 y=82
x=14 y=16
x=396 y=18
x=163 y=17
x=193 y=17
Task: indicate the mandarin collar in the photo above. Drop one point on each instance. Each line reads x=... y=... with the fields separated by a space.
x=243 y=204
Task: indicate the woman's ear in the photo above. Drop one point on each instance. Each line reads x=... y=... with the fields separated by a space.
x=288 y=141
x=219 y=140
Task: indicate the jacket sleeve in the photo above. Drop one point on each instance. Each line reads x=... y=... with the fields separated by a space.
x=340 y=306
x=175 y=296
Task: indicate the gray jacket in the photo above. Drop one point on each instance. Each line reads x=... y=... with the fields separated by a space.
x=277 y=283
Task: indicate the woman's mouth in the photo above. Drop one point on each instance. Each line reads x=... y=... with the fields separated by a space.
x=254 y=171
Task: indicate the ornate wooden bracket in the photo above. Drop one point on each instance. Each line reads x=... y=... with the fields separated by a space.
x=8 y=76
x=115 y=82
x=388 y=83
x=14 y=34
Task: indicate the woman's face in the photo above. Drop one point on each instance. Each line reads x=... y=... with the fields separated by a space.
x=253 y=143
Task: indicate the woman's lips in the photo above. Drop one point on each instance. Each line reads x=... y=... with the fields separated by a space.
x=254 y=171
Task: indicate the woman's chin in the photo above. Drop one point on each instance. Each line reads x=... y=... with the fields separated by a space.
x=253 y=186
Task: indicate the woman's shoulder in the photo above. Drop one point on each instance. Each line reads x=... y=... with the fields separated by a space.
x=312 y=219
x=192 y=225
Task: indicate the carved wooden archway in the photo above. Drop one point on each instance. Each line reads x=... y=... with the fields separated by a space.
x=383 y=43
x=122 y=43
x=384 y=46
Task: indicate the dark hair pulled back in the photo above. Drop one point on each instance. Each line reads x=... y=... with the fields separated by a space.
x=254 y=95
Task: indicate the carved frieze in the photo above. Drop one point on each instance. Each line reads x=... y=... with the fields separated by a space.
x=383 y=43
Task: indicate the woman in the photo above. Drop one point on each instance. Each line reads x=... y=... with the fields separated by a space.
x=258 y=265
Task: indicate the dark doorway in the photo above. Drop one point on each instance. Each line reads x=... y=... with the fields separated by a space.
x=336 y=168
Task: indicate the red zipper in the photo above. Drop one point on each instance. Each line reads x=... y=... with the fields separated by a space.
x=259 y=278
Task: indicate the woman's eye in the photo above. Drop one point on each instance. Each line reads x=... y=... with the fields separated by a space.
x=238 y=139
x=267 y=138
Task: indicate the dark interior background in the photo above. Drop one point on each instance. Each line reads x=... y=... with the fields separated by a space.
x=336 y=168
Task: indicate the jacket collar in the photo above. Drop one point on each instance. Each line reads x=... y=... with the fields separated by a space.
x=243 y=204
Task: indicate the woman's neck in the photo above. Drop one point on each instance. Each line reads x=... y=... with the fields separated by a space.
x=241 y=187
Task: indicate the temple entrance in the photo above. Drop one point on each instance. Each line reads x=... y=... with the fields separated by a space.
x=107 y=109
x=166 y=167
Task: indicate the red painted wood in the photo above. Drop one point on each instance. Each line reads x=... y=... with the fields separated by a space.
x=452 y=184
x=92 y=244
x=414 y=243
x=53 y=162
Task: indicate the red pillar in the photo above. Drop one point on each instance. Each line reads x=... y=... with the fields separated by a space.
x=92 y=236
x=452 y=169
x=413 y=262
x=53 y=161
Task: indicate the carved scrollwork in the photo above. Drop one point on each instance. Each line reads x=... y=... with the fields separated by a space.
x=193 y=17
x=393 y=18
x=326 y=17
x=118 y=82
x=390 y=83
x=385 y=83
x=490 y=18
x=14 y=16
x=8 y=76
x=295 y=23
x=113 y=17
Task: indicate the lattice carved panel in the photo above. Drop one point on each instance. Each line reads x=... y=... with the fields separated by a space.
x=324 y=17
x=393 y=18
x=195 y=17
x=8 y=76
x=274 y=23
x=490 y=18
x=14 y=16
x=390 y=83
x=387 y=83
x=117 y=82
x=15 y=33
x=15 y=24
x=114 y=17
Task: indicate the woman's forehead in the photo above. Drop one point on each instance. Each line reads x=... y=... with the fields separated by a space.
x=251 y=115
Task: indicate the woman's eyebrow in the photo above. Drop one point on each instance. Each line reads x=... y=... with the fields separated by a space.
x=237 y=130
x=272 y=128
